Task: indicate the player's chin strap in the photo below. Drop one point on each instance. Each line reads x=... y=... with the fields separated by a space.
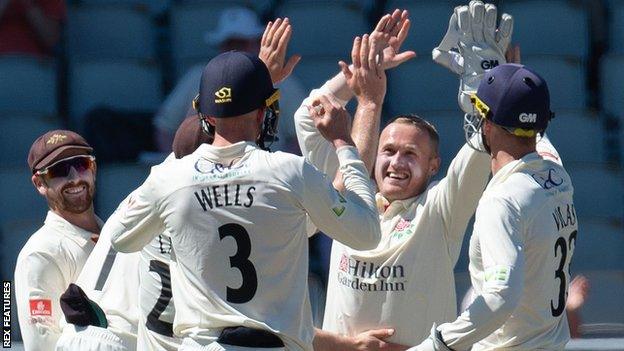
x=206 y=127
x=270 y=123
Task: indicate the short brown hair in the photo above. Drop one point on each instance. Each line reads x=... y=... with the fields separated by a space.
x=422 y=124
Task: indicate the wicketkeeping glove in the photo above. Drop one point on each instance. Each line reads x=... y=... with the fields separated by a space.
x=473 y=45
x=433 y=343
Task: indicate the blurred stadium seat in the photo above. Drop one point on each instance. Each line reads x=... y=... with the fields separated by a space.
x=28 y=85
x=616 y=33
x=20 y=198
x=324 y=28
x=611 y=82
x=20 y=132
x=565 y=77
x=122 y=85
x=114 y=183
x=153 y=6
x=189 y=25
x=109 y=32
x=421 y=85
x=553 y=27
x=14 y=234
x=599 y=245
x=314 y=71
x=578 y=136
x=598 y=191
x=429 y=23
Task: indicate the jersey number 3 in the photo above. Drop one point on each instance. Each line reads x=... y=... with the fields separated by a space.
x=240 y=261
x=562 y=246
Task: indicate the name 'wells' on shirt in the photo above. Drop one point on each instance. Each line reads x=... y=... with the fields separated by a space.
x=225 y=195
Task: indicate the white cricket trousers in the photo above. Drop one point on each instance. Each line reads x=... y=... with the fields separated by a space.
x=189 y=344
x=89 y=338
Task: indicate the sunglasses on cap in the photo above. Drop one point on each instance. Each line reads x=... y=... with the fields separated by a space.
x=61 y=168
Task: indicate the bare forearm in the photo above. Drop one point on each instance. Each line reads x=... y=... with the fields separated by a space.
x=365 y=132
x=324 y=340
x=47 y=29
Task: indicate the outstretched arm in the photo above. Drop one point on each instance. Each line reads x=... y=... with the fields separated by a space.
x=371 y=340
x=389 y=35
x=367 y=80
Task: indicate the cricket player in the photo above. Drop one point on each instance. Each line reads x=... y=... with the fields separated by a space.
x=63 y=171
x=525 y=229
x=406 y=283
x=237 y=216
x=111 y=280
x=157 y=307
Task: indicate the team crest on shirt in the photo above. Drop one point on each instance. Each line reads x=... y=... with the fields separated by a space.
x=40 y=307
x=403 y=228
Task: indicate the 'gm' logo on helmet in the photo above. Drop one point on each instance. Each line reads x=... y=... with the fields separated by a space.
x=489 y=64
x=528 y=117
x=223 y=95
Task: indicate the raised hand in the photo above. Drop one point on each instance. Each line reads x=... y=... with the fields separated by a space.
x=390 y=33
x=332 y=120
x=366 y=78
x=273 y=48
x=473 y=45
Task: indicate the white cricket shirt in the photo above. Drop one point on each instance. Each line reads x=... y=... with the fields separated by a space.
x=51 y=259
x=237 y=218
x=111 y=280
x=407 y=281
x=156 y=304
x=523 y=241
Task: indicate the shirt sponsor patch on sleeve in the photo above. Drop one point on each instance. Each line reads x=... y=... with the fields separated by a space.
x=40 y=307
x=497 y=275
x=338 y=210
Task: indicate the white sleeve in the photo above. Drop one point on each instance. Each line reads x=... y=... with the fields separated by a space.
x=39 y=315
x=318 y=151
x=137 y=222
x=352 y=219
x=459 y=192
x=498 y=227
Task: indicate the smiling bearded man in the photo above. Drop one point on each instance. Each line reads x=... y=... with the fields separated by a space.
x=63 y=171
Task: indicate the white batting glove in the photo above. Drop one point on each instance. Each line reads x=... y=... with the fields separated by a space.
x=473 y=45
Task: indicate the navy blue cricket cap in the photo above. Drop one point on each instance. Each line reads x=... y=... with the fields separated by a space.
x=233 y=84
x=515 y=97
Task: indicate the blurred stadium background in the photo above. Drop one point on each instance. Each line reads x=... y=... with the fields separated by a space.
x=128 y=54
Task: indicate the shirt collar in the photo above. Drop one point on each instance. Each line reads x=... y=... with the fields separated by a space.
x=513 y=167
x=75 y=233
x=388 y=209
x=224 y=152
